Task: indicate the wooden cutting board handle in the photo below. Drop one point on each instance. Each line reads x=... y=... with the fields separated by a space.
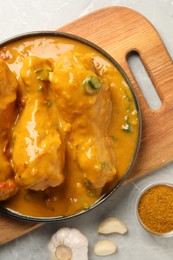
x=119 y=31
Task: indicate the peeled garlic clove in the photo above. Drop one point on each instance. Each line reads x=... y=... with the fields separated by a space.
x=112 y=225
x=104 y=248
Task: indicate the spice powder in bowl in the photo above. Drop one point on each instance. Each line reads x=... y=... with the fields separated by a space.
x=155 y=209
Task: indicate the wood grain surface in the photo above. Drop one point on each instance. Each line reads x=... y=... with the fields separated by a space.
x=119 y=31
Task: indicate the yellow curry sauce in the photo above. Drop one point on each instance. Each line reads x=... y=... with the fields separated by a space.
x=112 y=111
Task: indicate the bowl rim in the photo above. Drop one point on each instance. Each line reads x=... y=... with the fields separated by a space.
x=32 y=34
x=140 y=222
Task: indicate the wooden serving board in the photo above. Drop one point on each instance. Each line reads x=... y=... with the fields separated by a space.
x=119 y=31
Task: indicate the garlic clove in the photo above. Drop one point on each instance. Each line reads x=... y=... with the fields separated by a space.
x=104 y=248
x=112 y=225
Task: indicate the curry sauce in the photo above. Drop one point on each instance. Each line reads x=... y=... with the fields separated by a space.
x=76 y=128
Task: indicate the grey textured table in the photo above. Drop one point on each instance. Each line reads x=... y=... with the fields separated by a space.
x=21 y=16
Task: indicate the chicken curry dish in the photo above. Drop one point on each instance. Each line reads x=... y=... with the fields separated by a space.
x=69 y=126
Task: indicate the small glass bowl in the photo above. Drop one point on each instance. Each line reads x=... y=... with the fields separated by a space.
x=167 y=234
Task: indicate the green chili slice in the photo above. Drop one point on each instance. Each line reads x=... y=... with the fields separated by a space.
x=92 y=85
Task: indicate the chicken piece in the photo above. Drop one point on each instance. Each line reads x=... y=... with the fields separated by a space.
x=8 y=189
x=8 y=89
x=84 y=101
x=40 y=162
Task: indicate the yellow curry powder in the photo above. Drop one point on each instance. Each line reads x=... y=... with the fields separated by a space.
x=156 y=208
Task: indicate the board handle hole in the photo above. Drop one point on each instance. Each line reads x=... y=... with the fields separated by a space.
x=144 y=81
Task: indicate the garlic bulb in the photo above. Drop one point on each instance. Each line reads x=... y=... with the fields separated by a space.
x=68 y=244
